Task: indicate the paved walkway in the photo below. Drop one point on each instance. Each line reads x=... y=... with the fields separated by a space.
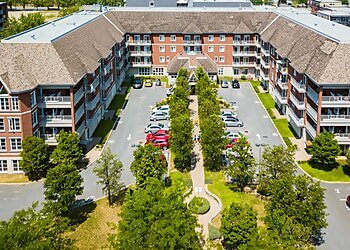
x=198 y=179
x=300 y=153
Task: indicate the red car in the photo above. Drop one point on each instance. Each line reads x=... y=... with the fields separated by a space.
x=232 y=142
x=164 y=144
x=160 y=134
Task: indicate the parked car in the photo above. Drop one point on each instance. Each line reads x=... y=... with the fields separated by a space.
x=348 y=201
x=233 y=135
x=169 y=91
x=164 y=144
x=137 y=83
x=224 y=84
x=148 y=83
x=235 y=84
x=231 y=142
x=164 y=108
x=158 y=82
x=159 y=116
x=159 y=134
x=154 y=127
x=229 y=114
x=232 y=122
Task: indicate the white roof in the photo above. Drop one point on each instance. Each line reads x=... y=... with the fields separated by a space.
x=51 y=31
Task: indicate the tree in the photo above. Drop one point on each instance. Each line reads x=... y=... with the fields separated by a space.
x=242 y=166
x=63 y=183
x=109 y=170
x=347 y=154
x=155 y=218
x=35 y=158
x=238 y=225
x=68 y=149
x=325 y=149
x=277 y=161
x=296 y=210
x=32 y=229
x=149 y=162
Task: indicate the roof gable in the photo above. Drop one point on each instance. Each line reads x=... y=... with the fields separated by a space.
x=242 y=28
x=192 y=28
x=140 y=28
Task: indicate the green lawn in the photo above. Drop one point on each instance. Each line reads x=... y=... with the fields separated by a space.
x=283 y=127
x=340 y=173
x=227 y=195
x=267 y=100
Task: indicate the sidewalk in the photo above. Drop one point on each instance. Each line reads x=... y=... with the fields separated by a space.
x=300 y=154
x=198 y=178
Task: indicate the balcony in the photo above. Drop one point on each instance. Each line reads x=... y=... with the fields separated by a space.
x=140 y=53
x=343 y=138
x=79 y=113
x=141 y=64
x=263 y=76
x=282 y=84
x=107 y=83
x=49 y=139
x=336 y=101
x=281 y=99
x=91 y=88
x=265 y=51
x=300 y=105
x=80 y=130
x=193 y=42
x=139 y=42
x=312 y=94
x=54 y=102
x=244 y=64
x=94 y=121
x=56 y=121
x=311 y=130
x=107 y=69
x=78 y=95
x=244 y=42
x=266 y=65
x=90 y=105
x=244 y=53
x=311 y=112
x=301 y=88
x=297 y=120
x=258 y=54
x=333 y=120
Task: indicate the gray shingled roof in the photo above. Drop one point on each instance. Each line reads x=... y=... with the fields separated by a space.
x=183 y=61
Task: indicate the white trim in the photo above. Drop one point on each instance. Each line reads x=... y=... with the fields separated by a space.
x=115 y=26
x=3 y=150
x=9 y=126
x=15 y=150
x=268 y=26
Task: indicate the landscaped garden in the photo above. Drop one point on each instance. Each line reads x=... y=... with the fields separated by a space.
x=340 y=172
x=199 y=205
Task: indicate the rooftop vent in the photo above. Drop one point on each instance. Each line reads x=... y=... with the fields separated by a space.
x=333 y=24
x=315 y=24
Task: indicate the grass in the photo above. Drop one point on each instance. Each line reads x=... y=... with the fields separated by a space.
x=340 y=173
x=221 y=189
x=93 y=232
x=283 y=127
x=13 y=178
x=199 y=205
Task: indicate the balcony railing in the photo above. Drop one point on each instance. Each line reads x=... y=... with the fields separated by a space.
x=107 y=83
x=56 y=121
x=78 y=95
x=263 y=76
x=92 y=88
x=312 y=94
x=299 y=104
x=244 y=42
x=144 y=42
x=297 y=120
x=340 y=101
x=266 y=65
x=92 y=104
x=244 y=64
x=282 y=84
x=335 y=118
x=54 y=102
x=140 y=53
x=265 y=51
x=49 y=139
x=79 y=113
x=141 y=64
x=280 y=98
x=311 y=130
x=342 y=137
x=94 y=121
x=80 y=130
x=192 y=42
x=311 y=112
x=299 y=86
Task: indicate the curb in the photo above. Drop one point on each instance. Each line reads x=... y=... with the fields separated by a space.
x=215 y=198
x=302 y=170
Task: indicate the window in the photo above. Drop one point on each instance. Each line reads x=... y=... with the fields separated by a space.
x=146 y=38
x=168 y=58
x=173 y=48
x=144 y=71
x=158 y=71
x=222 y=48
x=211 y=49
x=246 y=38
x=187 y=38
x=221 y=59
x=15 y=165
x=237 y=38
x=161 y=59
x=127 y=37
x=236 y=60
x=35 y=118
x=161 y=38
x=2 y=144
x=33 y=99
x=14 y=124
x=236 y=72
x=136 y=38
x=215 y=59
x=197 y=38
x=2 y=124
x=15 y=105
x=161 y=48
x=173 y=38
x=304 y=79
x=36 y=133
x=3 y=165
x=222 y=38
x=221 y=71
x=211 y=38
x=4 y=103
x=294 y=72
x=16 y=144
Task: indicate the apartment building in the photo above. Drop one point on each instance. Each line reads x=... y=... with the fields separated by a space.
x=190 y=3
x=64 y=74
x=3 y=14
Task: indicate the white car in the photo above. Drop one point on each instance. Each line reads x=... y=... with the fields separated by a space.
x=154 y=127
x=228 y=114
x=164 y=108
x=159 y=116
x=232 y=122
x=233 y=135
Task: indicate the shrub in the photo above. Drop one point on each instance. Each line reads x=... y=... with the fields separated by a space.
x=243 y=77
x=199 y=205
x=214 y=233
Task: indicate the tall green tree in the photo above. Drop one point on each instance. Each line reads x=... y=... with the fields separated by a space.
x=296 y=210
x=35 y=158
x=68 y=149
x=238 y=225
x=63 y=183
x=242 y=168
x=33 y=229
x=109 y=171
x=155 y=217
x=325 y=149
x=347 y=154
x=149 y=162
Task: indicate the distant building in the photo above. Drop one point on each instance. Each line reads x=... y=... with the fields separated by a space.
x=3 y=14
x=338 y=15
x=318 y=5
x=189 y=3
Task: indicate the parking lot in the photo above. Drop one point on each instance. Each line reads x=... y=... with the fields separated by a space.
x=258 y=127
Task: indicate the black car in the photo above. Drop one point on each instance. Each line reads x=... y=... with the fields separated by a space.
x=235 y=84
x=137 y=83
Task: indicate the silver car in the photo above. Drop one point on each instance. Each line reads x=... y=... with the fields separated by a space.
x=154 y=127
x=229 y=114
x=159 y=116
x=232 y=122
x=164 y=108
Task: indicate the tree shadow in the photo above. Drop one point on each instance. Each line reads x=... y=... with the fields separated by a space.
x=318 y=239
x=120 y=198
x=346 y=169
x=322 y=167
x=80 y=214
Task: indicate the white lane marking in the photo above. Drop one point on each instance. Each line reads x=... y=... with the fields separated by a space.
x=129 y=137
x=5 y=199
x=259 y=136
x=16 y=192
x=265 y=116
x=12 y=199
x=274 y=134
x=342 y=199
x=111 y=141
x=257 y=102
x=337 y=190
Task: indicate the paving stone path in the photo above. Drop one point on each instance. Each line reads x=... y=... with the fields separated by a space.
x=200 y=189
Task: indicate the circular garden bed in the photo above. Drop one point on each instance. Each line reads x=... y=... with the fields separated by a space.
x=199 y=205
